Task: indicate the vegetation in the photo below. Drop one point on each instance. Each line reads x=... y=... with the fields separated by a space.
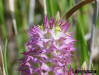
x=17 y=16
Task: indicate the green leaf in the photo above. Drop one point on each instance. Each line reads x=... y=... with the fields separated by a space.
x=52 y=7
x=5 y=56
x=2 y=22
x=81 y=41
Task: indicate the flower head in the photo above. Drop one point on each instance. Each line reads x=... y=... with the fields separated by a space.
x=48 y=51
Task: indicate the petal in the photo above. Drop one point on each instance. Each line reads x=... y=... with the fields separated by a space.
x=46 y=24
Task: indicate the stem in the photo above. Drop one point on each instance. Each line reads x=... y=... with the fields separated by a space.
x=5 y=56
x=76 y=7
x=45 y=8
x=92 y=34
x=31 y=12
x=2 y=62
x=11 y=6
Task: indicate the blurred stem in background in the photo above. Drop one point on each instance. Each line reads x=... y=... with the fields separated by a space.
x=31 y=12
x=76 y=7
x=45 y=7
x=7 y=18
x=93 y=27
x=2 y=21
x=52 y=7
x=5 y=56
x=11 y=6
x=82 y=44
x=21 y=19
x=2 y=62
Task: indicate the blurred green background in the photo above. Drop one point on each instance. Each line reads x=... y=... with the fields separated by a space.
x=16 y=16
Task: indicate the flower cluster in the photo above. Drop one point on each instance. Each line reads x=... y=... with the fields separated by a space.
x=49 y=51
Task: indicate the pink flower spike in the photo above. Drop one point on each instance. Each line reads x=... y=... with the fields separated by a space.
x=48 y=52
x=64 y=27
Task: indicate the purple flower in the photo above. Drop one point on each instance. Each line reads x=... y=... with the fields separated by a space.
x=49 y=51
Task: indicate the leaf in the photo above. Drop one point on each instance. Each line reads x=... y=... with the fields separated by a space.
x=52 y=7
x=5 y=56
x=81 y=41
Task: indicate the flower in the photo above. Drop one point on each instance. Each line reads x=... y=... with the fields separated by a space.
x=49 y=51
